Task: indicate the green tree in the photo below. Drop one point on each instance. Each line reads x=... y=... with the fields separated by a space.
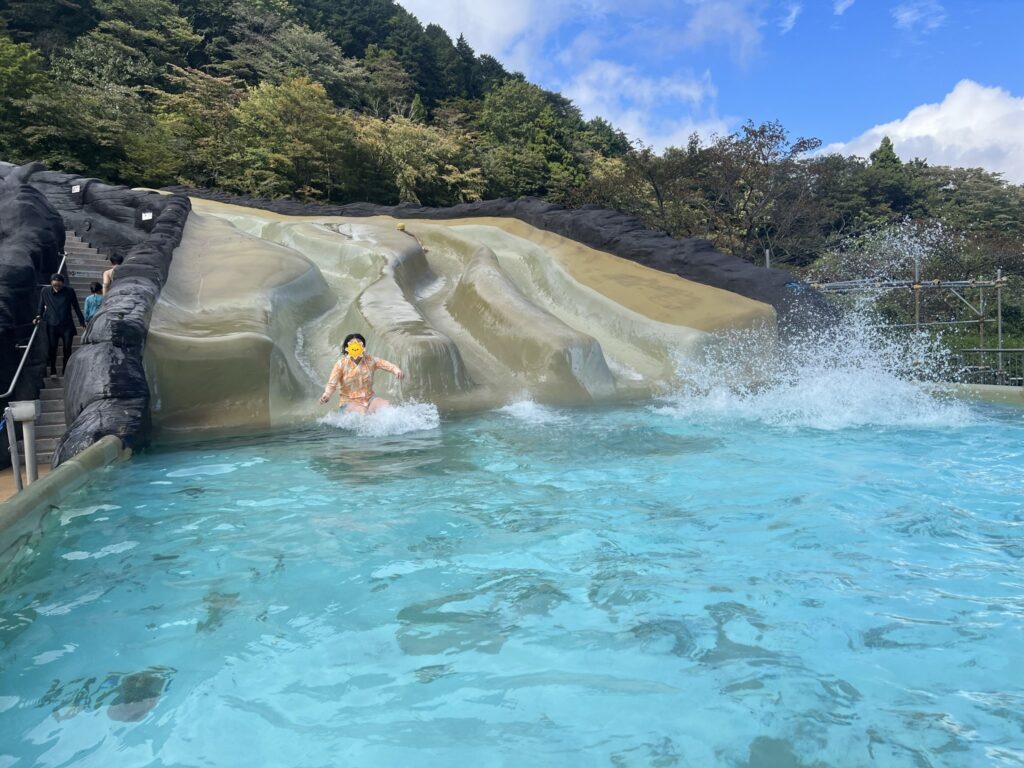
x=886 y=183
x=388 y=88
x=409 y=42
x=447 y=65
x=417 y=112
x=289 y=139
x=422 y=164
x=467 y=72
x=48 y=25
x=529 y=138
x=270 y=48
x=192 y=117
x=90 y=138
x=353 y=24
x=153 y=28
x=490 y=73
x=21 y=78
x=99 y=61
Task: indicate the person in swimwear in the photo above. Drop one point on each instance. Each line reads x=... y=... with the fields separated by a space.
x=352 y=376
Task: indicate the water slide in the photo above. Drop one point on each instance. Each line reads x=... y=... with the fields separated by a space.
x=228 y=313
x=478 y=311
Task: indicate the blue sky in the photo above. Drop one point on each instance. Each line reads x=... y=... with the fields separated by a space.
x=944 y=78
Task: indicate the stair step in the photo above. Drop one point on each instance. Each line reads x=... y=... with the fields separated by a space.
x=54 y=416
x=43 y=458
x=49 y=430
x=42 y=444
x=52 y=406
x=52 y=394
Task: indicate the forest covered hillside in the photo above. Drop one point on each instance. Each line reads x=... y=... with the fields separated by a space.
x=349 y=100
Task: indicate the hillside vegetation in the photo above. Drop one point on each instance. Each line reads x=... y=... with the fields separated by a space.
x=347 y=100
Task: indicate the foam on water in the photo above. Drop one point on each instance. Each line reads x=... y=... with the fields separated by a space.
x=392 y=420
x=849 y=375
x=533 y=413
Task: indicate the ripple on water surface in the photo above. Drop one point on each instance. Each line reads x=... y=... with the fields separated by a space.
x=535 y=586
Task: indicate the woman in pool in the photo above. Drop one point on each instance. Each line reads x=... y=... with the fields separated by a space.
x=352 y=376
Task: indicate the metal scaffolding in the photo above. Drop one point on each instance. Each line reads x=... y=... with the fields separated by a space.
x=958 y=288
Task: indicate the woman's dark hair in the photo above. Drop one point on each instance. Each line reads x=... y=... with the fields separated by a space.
x=351 y=336
x=116 y=259
x=57 y=276
x=95 y=287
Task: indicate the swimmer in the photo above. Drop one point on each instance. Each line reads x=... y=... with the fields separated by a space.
x=352 y=376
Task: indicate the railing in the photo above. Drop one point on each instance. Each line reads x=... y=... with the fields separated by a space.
x=990 y=365
x=28 y=425
x=31 y=341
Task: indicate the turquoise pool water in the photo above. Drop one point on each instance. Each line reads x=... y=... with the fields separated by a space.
x=683 y=584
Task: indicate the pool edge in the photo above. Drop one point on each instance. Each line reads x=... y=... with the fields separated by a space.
x=20 y=516
x=990 y=393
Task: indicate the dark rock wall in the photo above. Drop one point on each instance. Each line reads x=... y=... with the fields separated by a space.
x=105 y=387
x=31 y=240
x=110 y=218
x=795 y=302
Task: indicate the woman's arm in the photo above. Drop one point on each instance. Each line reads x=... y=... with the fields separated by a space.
x=332 y=383
x=391 y=368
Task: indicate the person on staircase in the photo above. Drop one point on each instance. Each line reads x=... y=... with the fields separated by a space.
x=57 y=301
x=93 y=300
x=108 y=276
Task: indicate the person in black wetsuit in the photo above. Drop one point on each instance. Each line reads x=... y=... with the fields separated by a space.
x=56 y=303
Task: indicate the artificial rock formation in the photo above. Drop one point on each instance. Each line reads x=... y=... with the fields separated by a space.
x=106 y=392
x=478 y=311
x=105 y=388
x=31 y=239
x=603 y=230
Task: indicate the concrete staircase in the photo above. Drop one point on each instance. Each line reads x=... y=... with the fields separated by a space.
x=84 y=265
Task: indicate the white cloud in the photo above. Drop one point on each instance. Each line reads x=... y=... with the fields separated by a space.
x=637 y=104
x=735 y=22
x=662 y=111
x=518 y=32
x=789 y=20
x=841 y=6
x=973 y=126
x=513 y=31
x=919 y=15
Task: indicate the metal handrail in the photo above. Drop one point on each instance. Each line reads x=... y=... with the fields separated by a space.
x=28 y=347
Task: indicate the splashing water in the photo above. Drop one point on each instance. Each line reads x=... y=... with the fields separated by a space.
x=848 y=375
x=888 y=253
x=392 y=420
x=530 y=412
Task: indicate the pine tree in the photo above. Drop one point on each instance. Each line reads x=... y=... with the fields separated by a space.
x=468 y=70
x=446 y=63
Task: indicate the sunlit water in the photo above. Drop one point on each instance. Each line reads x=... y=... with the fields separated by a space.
x=682 y=583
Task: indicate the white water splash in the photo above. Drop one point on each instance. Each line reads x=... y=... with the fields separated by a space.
x=391 y=420
x=849 y=375
x=533 y=413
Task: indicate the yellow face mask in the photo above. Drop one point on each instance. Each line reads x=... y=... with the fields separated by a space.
x=354 y=349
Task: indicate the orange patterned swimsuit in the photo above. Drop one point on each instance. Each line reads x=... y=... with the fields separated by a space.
x=354 y=381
